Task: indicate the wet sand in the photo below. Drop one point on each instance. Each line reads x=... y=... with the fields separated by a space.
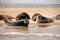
x=34 y=31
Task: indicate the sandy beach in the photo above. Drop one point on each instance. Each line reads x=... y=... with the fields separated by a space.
x=49 y=31
x=45 y=11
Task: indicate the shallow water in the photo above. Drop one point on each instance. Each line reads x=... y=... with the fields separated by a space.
x=32 y=32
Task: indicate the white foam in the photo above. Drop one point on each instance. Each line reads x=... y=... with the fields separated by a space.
x=30 y=34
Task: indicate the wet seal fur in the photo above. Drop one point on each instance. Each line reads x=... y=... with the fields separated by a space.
x=41 y=19
x=57 y=17
x=34 y=16
x=22 y=22
x=22 y=15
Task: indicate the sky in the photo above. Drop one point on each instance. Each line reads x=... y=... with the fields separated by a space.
x=28 y=2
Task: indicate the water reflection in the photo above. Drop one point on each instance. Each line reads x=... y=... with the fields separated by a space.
x=33 y=30
x=22 y=28
x=43 y=25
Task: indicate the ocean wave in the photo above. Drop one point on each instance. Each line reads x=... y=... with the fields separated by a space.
x=29 y=34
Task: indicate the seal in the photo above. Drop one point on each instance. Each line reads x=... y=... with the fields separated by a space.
x=57 y=17
x=22 y=15
x=41 y=19
x=22 y=22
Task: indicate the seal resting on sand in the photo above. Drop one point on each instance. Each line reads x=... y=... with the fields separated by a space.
x=22 y=22
x=9 y=17
x=22 y=15
x=57 y=17
x=34 y=16
x=41 y=19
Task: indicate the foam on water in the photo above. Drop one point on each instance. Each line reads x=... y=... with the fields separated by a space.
x=29 y=34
